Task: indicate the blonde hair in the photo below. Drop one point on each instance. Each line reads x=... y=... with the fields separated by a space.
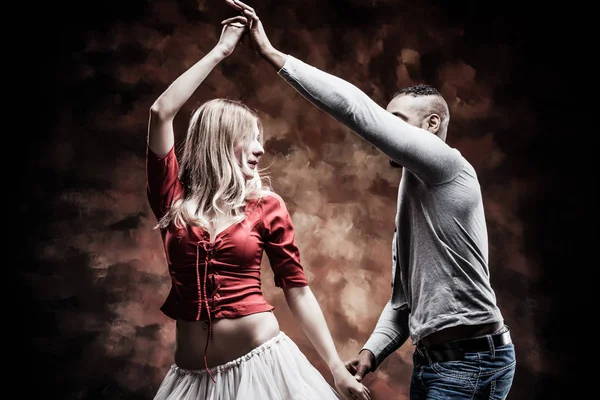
x=212 y=177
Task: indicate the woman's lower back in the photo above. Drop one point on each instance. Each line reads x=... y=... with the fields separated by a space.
x=230 y=339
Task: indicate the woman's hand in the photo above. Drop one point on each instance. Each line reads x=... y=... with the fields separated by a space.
x=233 y=29
x=260 y=41
x=348 y=386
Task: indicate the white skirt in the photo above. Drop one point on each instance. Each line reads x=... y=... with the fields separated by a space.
x=276 y=370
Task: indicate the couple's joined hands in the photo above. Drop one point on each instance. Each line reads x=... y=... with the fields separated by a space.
x=360 y=366
x=234 y=29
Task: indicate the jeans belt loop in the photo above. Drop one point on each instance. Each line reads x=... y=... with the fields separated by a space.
x=490 y=340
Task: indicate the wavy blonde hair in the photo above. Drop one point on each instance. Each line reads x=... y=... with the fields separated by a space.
x=212 y=177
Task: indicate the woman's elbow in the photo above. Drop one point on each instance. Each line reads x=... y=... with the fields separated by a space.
x=159 y=112
x=296 y=294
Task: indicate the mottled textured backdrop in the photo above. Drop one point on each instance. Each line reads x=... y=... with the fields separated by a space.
x=95 y=273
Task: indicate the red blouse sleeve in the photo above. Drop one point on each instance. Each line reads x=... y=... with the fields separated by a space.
x=162 y=181
x=280 y=244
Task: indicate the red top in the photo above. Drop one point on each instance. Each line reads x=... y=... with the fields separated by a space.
x=221 y=279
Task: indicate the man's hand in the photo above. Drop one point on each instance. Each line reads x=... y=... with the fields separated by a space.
x=260 y=41
x=233 y=29
x=347 y=386
x=361 y=365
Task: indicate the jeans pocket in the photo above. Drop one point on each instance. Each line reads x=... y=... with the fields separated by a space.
x=501 y=383
x=466 y=369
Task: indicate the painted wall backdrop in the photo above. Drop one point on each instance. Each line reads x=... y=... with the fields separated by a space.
x=94 y=273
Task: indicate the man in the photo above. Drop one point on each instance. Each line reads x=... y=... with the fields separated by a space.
x=441 y=293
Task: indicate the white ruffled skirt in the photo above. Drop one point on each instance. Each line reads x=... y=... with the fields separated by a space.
x=276 y=370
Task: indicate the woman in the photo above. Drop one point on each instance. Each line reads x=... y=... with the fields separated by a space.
x=216 y=219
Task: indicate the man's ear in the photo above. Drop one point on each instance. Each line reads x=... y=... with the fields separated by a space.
x=433 y=123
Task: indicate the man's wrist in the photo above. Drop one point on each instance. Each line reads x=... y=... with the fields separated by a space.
x=368 y=353
x=273 y=57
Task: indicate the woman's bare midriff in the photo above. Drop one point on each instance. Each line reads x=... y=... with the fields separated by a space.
x=230 y=339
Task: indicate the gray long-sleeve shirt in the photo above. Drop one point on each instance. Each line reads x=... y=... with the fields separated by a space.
x=440 y=272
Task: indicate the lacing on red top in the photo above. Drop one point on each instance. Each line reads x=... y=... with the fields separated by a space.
x=203 y=297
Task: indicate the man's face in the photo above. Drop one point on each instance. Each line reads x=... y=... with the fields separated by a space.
x=409 y=109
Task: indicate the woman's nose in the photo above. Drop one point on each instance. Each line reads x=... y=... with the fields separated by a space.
x=258 y=150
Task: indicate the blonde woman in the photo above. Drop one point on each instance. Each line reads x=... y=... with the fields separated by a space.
x=216 y=218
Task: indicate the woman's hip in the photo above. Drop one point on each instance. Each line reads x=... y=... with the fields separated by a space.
x=222 y=341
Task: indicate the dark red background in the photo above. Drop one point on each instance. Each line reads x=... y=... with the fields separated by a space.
x=94 y=273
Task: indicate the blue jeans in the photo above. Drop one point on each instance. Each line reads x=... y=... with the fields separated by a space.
x=477 y=376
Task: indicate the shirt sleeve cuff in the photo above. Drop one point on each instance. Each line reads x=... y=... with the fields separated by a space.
x=380 y=350
x=288 y=67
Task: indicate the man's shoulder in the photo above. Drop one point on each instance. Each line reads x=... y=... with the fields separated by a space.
x=467 y=166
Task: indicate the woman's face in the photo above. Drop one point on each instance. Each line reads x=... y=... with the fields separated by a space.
x=248 y=153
